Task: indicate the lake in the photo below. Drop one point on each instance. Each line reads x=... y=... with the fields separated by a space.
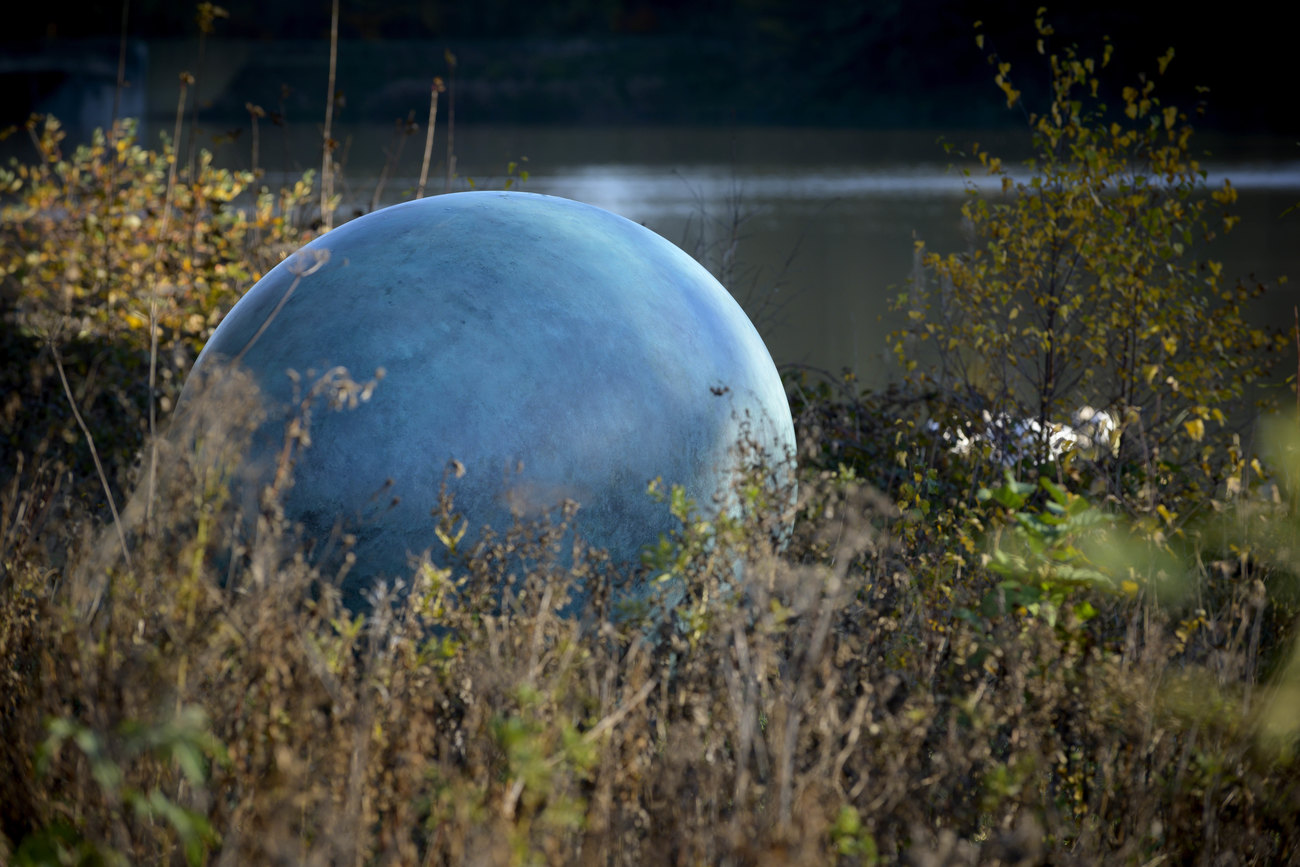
x=812 y=230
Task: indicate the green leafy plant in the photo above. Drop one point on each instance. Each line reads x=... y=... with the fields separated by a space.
x=184 y=741
x=1040 y=554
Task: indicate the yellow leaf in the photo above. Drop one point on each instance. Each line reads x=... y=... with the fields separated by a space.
x=1195 y=429
x=1171 y=115
x=1129 y=587
x=979 y=40
x=1164 y=61
x=1165 y=513
x=1225 y=196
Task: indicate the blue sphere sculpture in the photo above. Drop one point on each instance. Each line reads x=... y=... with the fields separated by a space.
x=556 y=350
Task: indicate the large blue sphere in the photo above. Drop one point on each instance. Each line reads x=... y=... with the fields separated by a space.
x=556 y=350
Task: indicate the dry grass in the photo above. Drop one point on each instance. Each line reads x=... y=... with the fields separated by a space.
x=830 y=710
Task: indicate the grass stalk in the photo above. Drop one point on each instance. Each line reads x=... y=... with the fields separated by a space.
x=451 y=119
x=254 y=112
x=392 y=158
x=94 y=453
x=322 y=256
x=327 y=158
x=434 y=90
x=152 y=482
x=117 y=93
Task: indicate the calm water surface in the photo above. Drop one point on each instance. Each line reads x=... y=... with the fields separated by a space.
x=811 y=230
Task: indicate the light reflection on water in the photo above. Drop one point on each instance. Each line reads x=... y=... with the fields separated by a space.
x=813 y=231
x=643 y=192
x=819 y=254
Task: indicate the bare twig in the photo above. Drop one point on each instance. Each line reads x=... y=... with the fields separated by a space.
x=393 y=157
x=621 y=711
x=322 y=256
x=428 y=136
x=94 y=453
x=186 y=80
x=206 y=16
x=451 y=118
x=117 y=97
x=255 y=112
x=327 y=160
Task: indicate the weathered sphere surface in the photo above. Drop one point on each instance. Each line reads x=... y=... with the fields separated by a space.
x=555 y=349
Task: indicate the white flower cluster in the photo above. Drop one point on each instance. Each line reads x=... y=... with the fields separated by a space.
x=1091 y=433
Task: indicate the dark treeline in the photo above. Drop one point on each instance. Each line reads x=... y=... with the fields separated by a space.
x=857 y=62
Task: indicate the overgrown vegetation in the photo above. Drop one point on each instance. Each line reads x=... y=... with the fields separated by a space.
x=974 y=651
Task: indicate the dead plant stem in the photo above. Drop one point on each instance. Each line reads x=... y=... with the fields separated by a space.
x=428 y=136
x=327 y=159
x=117 y=99
x=94 y=453
x=151 y=484
x=451 y=119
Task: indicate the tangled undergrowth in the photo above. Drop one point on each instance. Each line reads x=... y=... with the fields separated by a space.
x=854 y=702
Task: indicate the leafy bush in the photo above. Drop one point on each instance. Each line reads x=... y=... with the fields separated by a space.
x=116 y=264
x=1089 y=283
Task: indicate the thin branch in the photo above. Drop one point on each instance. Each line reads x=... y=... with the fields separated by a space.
x=94 y=453
x=322 y=256
x=327 y=160
x=623 y=710
x=434 y=90
x=186 y=79
x=451 y=118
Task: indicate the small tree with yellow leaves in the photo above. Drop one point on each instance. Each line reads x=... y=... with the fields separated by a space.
x=1086 y=284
